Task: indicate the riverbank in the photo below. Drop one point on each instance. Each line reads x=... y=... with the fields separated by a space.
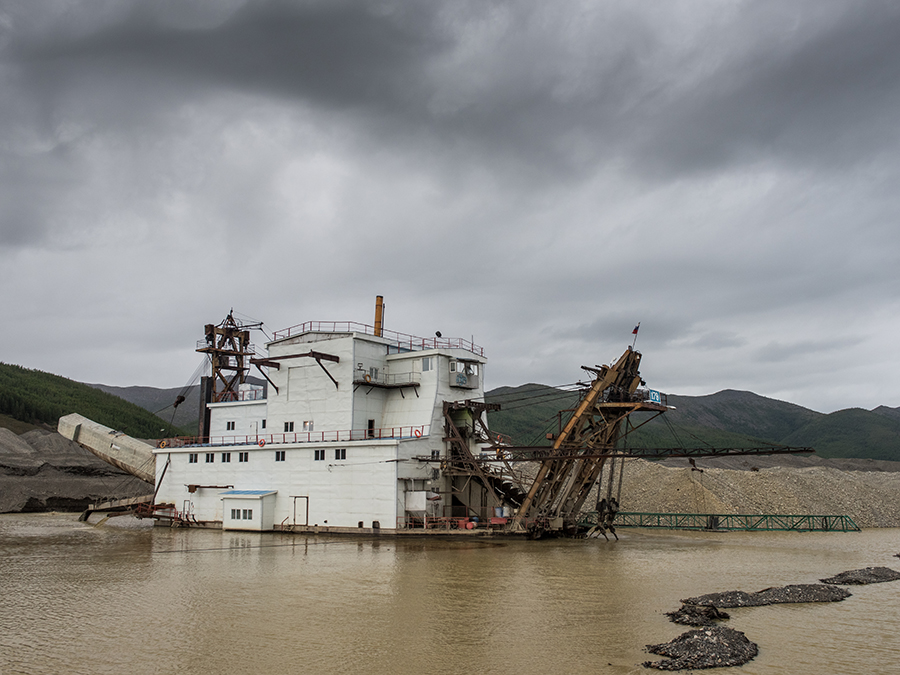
x=42 y=471
x=761 y=486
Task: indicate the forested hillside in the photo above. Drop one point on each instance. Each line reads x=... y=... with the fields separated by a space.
x=725 y=419
x=36 y=397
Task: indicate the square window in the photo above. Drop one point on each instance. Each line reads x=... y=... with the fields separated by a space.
x=320 y=455
x=243 y=456
x=288 y=427
x=210 y=457
x=248 y=514
x=279 y=455
x=192 y=458
x=307 y=426
x=226 y=457
x=229 y=426
x=340 y=453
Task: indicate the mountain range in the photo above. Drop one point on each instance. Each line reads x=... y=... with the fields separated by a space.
x=727 y=418
x=527 y=414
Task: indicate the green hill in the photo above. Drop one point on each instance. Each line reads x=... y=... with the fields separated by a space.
x=851 y=433
x=530 y=411
x=160 y=401
x=725 y=419
x=35 y=397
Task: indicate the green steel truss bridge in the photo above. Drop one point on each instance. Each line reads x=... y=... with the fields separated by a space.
x=712 y=522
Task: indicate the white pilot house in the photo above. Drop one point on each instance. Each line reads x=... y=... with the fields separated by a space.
x=353 y=430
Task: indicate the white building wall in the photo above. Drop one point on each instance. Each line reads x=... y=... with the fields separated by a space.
x=305 y=392
x=361 y=487
x=246 y=415
x=369 y=483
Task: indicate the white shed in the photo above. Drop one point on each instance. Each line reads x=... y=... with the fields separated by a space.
x=248 y=510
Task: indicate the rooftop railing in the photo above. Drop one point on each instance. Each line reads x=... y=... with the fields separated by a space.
x=402 y=341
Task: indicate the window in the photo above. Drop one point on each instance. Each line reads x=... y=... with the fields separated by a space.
x=288 y=427
x=263 y=424
x=373 y=373
x=243 y=456
x=308 y=426
x=226 y=457
x=320 y=455
x=279 y=455
x=192 y=458
x=242 y=514
x=235 y=514
x=427 y=364
x=340 y=453
x=248 y=514
x=229 y=426
x=371 y=429
x=453 y=366
x=210 y=457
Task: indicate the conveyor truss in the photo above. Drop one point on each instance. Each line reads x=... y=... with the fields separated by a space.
x=591 y=443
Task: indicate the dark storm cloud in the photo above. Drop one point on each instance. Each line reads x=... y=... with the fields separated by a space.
x=820 y=86
x=521 y=80
x=338 y=53
x=542 y=175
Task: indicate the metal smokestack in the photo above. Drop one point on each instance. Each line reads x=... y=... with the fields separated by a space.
x=379 y=315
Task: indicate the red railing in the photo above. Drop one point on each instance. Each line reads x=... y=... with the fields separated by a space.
x=401 y=340
x=449 y=523
x=349 y=436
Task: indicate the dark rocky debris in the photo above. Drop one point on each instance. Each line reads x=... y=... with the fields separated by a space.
x=772 y=596
x=42 y=471
x=714 y=647
x=868 y=575
x=697 y=615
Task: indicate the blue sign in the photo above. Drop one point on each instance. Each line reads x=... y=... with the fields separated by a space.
x=654 y=396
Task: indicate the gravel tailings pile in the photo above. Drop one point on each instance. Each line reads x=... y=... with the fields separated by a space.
x=42 y=471
x=871 y=497
x=705 y=648
x=697 y=615
x=869 y=575
x=772 y=596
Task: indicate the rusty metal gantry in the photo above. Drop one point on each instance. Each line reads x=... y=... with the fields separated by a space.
x=229 y=349
x=574 y=463
x=464 y=426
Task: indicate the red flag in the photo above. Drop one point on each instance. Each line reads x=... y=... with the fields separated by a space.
x=634 y=332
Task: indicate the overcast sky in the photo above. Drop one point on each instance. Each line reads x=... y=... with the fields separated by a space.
x=541 y=176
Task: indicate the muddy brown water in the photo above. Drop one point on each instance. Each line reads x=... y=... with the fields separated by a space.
x=126 y=598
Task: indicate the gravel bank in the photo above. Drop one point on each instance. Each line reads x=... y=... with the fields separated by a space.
x=772 y=596
x=42 y=471
x=871 y=497
x=869 y=575
x=714 y=647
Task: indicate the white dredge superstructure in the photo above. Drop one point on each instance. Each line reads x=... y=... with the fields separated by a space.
x=340 y=438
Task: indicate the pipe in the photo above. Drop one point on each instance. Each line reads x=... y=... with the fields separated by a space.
x=379 y=315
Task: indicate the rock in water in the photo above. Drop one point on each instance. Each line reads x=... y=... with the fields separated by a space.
x=772 y=596
x=869 y=575
x=697 y=615
x=705 y=648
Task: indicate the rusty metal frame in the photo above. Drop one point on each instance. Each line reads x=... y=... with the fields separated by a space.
x=272 y=362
